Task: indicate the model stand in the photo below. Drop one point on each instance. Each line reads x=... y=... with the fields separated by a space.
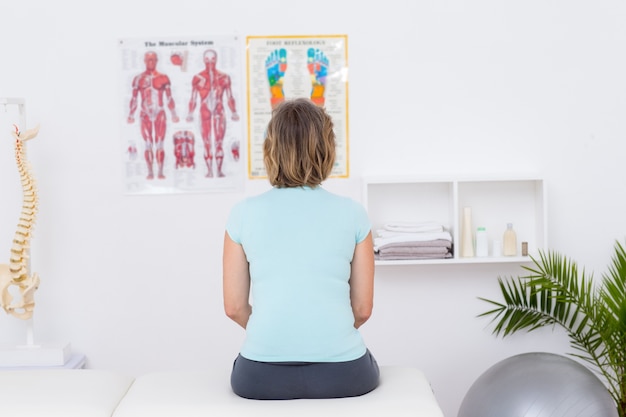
x=17 y=282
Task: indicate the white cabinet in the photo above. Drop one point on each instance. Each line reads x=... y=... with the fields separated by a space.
x=494 y=202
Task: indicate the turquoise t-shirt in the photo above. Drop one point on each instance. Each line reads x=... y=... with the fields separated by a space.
x=300 y=243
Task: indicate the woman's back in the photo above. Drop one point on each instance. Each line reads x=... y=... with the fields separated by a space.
x=299 y=243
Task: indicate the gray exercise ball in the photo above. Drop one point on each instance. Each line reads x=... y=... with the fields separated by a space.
x=538 y=384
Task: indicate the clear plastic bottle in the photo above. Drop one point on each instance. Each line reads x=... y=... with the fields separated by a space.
x=509 y=241
x=482 y=242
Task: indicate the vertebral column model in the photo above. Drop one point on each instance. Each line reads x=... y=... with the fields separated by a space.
x=17 y=273
x=211 y=85
x=151 y=86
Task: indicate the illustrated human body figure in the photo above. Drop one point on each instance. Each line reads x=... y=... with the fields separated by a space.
x=184 y=152
x=152 y=86
x=211 y=85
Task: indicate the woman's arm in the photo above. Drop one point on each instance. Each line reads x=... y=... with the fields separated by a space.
x=236 y=282
x=362 y=281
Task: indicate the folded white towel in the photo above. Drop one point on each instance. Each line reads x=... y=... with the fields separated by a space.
x=436 y=243
x=387 y=233
x=415 y=250
x=414 y=227
x=411 y=237
x=396 y=257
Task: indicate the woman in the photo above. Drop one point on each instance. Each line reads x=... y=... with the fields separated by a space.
x=299 y=271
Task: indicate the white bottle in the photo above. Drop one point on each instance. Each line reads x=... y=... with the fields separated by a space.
x=482 y=242
x=509 y=241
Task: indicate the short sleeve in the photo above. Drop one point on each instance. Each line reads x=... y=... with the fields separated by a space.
x=363 y=225
x=235 y=222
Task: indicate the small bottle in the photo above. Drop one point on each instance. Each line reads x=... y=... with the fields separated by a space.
x=510 y=241
x=524 y=248
x=482 y=242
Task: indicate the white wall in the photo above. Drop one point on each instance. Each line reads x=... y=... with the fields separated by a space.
x=449 y=87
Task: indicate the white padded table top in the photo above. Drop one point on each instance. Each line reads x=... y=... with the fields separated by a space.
x=402 y=392
x=61 y=392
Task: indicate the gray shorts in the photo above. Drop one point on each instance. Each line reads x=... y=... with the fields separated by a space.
x=292 y=380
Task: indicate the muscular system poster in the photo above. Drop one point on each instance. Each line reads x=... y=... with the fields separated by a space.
x=181 y=122
x=283 y=67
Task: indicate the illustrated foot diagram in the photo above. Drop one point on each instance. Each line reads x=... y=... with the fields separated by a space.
x=317 y=64
x=276 y=65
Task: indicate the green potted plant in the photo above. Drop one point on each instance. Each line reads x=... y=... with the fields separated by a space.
x=556 y=293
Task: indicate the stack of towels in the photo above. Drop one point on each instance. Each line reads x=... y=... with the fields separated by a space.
x=413 y=240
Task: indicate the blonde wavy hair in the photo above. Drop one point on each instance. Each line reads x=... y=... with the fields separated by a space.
x=299 y=147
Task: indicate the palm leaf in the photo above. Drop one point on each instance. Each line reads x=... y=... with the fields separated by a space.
x=555 y=292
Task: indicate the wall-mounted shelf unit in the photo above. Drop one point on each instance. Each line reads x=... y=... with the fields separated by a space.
x=494 y=202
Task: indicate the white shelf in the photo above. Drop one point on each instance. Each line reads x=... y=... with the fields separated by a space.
x=456 y=261
x=494 y=202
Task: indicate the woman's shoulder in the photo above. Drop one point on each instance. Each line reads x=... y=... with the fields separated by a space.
x=343 y=200
x=254 y=203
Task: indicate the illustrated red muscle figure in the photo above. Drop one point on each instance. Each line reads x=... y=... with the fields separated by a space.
x=211 y=85
x=151 y=85
x=184 y=141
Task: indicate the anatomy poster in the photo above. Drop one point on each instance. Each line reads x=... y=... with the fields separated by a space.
x=181 y=122
x=283 y=67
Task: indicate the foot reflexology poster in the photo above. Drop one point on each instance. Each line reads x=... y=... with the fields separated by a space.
x=181 y=119
x=284 y=67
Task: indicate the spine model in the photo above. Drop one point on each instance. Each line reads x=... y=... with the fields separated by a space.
x=17 y=272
